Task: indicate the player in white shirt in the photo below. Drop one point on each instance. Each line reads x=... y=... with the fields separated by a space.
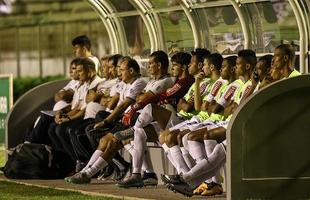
x=63 y=99
x=57 y=130
x=160 y=81
x=82 y=48
x=134 y=85
x=99 y=100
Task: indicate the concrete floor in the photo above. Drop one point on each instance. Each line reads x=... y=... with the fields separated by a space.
x=108 y=189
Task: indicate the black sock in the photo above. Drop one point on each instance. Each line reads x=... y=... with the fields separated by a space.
x=120 y=159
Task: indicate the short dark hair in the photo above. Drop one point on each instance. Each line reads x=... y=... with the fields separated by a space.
x=132 y=63
x=216 y=59
x=201 y=54
x=249 y=56
x=115 y=58
x=182 y=58
x=288 y=49
x=75 y=61
x=82 y=41
x=231 y=60
x=267 y=59
x=88 y=64
x=161 y=57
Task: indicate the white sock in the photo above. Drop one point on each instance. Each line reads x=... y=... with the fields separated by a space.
x=129 y=148
x=209 y=146
x=190 y=162
x=139 y=150
x=177 y=157
x=196 y=150
x=145 y=117
x=96 y=167
x=147 y=164
x=217 y=178
x=93 y=159
x=168 y=153
x=206 y=168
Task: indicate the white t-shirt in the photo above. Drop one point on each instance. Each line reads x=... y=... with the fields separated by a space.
x=117 y=88
x=73 y=85
x=132 y=90
x=96 y=61
x=158 y=86
x=105 y=86
x=79 y=97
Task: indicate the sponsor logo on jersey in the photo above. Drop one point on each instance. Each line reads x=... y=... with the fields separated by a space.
x=203 y=87
x=173 y=90
x=216 y=88
x=201 y=90
x=246 y=91
x=230 y=92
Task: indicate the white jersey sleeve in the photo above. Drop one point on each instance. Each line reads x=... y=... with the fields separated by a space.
x=215 y=89
x=158 y=86
x=132 y=90
x=229 y=93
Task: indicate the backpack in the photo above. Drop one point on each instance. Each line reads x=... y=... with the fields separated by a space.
x=31 y=161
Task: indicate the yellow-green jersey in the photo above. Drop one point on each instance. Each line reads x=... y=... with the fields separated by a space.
x=204 y=87
x=217 y=86
x=225 y=96
x=216 y=92
x=243 y=91
x=294 y=73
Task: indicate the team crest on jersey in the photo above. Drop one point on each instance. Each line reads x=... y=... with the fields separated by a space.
x=216 y=88
x=230 y=93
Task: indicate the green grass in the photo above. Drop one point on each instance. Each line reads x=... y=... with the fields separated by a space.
x=9 y=190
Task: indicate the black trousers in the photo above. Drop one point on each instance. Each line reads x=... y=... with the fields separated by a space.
x=39 y=134
x=79 y=141
x=60 y=139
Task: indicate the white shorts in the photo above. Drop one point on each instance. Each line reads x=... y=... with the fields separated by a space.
x=185 y=124
x=209 y=125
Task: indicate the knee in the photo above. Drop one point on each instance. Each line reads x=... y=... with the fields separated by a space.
x=195 y=136
x=180 y=139
x=191 y=136
x=102 y=143
x=171 y=139
x=162 y=137
x=206 y=135
x=112 y=146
